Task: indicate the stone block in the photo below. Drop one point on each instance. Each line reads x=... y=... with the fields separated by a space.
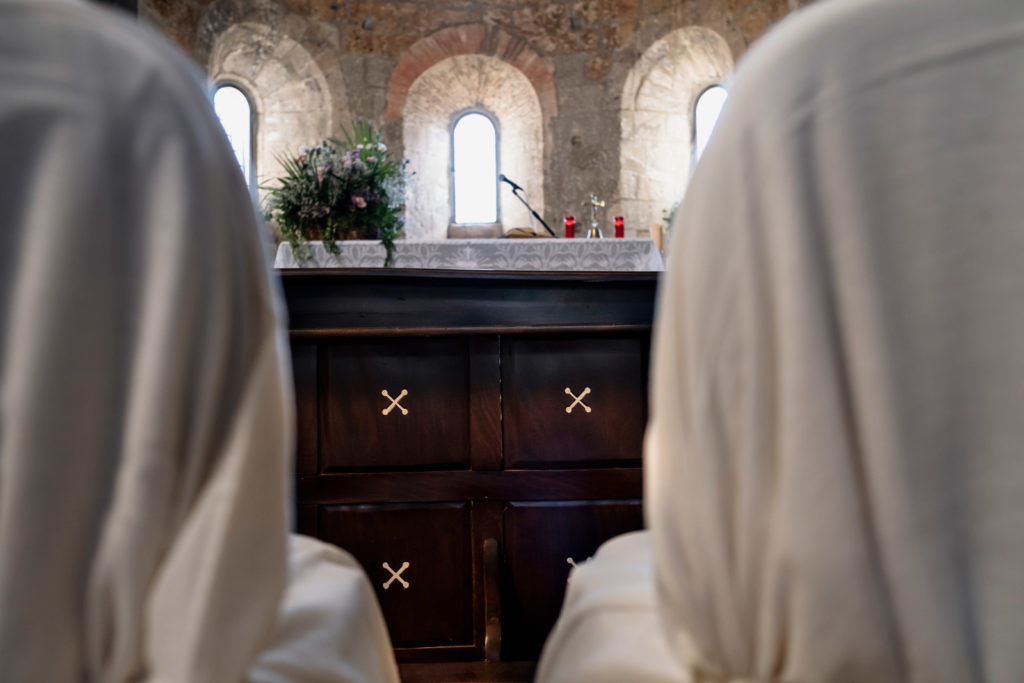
x=378 y=70
x=619 y=33
x=297 y=6
x=324 y=34
x=597 y=67
x=754 y=22
x=328 y=10
x=649 y=7
x=588 y=39
x=588 y=11
x=358 y=40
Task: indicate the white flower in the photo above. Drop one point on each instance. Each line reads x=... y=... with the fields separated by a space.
x=360 y=146
x=382 y=147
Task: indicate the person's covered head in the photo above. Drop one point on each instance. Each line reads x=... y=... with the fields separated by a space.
x=145 y=419
x=835 y=487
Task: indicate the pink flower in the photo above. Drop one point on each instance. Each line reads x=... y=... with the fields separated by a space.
x=359 y=202
x=371 y=160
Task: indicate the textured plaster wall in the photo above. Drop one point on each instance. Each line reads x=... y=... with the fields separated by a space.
x=576 y=55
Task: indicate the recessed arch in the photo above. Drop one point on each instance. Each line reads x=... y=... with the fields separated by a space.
x=290 y=92
x=453 y=85
x=658 y=100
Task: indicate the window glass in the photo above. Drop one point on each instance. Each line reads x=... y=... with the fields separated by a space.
x=235 y=114
x=475 y=169
x=705 y=116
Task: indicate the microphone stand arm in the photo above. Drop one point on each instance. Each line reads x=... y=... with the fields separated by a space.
x=515 y=191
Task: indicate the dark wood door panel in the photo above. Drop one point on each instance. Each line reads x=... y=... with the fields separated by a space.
x=426 y=589
x=540 y=541
x=304 y=372
x=574 y=400
x=395 y=403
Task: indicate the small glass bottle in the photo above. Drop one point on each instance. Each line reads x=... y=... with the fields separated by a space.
x=620 y=230
x=570 y=226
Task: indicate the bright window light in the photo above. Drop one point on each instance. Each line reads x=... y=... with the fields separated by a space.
x=235 y=116
x=475 y=169
x=706 y=111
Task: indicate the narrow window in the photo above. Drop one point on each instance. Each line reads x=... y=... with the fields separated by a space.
x=475 y=169
x=705 y=116
x=235 y=114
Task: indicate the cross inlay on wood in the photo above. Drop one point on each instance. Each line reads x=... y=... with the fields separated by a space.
x=577 y=400
x=394 y=402
x=396 y=576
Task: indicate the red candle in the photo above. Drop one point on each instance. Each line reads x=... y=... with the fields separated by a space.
x=620 y=230
x=570 y=226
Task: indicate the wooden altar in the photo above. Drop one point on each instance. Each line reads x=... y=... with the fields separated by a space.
x=467 y=436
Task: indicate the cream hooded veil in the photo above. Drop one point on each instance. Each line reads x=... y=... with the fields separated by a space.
x=835 y=463
x=145 y=407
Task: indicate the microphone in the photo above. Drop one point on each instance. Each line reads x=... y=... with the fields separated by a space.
x=526 y=203
x=506 y=180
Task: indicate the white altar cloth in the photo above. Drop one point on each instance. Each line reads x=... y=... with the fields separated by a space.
x=486 y=254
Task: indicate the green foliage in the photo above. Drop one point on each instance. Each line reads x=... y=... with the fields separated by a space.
x=669 y=215
x=340 y=190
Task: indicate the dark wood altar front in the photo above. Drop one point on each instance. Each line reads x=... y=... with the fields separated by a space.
x=476 y=432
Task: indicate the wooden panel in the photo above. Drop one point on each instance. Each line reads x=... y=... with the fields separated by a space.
x=484 y=403
x=487 y=520
x=306 y=520
x=399 y=301
x=611 y=482
x=574 y=400
x=539 y=539
x=486 y=577
x=434 y=605
x=426 y=426
x=304 y=365
x=468 y=672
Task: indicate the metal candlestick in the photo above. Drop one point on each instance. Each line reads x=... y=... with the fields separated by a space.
x=594 y=204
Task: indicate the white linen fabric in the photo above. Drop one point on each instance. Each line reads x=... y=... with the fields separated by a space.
x=330 y=629
x=608 y=630
x=834 y=470
x=834 y=484
x=145 y=407
x=485 y=254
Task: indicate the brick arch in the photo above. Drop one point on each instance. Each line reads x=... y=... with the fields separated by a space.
x=470 y=39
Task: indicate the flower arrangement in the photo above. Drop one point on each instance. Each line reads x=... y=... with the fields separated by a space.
x=340 y=190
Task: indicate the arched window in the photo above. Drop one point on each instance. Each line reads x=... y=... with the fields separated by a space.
x=705 y=115
x=235 y=114
x=474 y=169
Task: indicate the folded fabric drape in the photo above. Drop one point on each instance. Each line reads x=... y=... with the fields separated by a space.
x=834 y=484
x=833 y=469
x=146 y=415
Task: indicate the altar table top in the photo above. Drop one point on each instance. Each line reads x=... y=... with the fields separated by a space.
x=538 y=254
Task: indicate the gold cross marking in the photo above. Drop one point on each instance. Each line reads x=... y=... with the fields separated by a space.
x=394 y=402
x=396 y=576
x=577 y=400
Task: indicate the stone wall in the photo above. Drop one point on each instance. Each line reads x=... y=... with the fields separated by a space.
x=581 y=58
